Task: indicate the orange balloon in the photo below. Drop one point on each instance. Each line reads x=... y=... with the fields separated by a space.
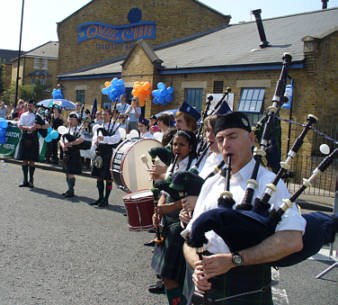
x=107 y=84
x=142 y=100
x=133 y=92
x=147 y=85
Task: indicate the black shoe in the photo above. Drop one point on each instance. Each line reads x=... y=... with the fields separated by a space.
x=97 y=202
x=24 y=184
x=103 y=204
x=152 y=231
x=149 y=243
x=30 y=184
x=69 y=194
x=157 y=288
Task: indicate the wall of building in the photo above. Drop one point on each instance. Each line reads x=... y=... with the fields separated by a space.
x=174 y=19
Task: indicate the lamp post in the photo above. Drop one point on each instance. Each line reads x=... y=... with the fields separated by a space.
x=19 y=55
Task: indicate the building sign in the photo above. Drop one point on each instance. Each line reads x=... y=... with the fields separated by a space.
x=121 y=34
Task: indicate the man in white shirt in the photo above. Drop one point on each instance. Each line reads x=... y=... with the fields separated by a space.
x=243 y=271
x=29 y=143
x=105 y=138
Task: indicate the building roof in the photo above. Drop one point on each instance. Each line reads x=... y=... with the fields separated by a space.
x=235 y=46
x=48 y=50
x=6 y=56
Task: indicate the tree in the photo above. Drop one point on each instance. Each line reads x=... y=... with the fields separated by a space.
x=2 y=70
x=26 y=92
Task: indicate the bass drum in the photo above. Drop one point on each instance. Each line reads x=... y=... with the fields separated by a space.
x=130 y=162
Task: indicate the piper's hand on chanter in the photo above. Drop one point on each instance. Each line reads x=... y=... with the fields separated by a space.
x=201 y=283
x=185 y=217
x=156 y=219
x=214 y=265
x=100 y=138
x=157 y=172
x=188 y=203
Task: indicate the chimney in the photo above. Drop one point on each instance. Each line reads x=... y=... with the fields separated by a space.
x=257 y=13
x=324 y=4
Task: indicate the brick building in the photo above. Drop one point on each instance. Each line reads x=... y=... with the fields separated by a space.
x=38 y=65
x=6 y=57
x=208 y=59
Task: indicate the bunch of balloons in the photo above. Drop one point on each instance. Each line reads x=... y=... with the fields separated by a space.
x=163 y=95
x=57 y=94
x=142 y=90
x=114 y=88
x=51 y=135
x=3 y=127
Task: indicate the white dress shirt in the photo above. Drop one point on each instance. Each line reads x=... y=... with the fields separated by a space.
x=27 y=119
x=209 y=165
x=214 y=186
x=115 y=138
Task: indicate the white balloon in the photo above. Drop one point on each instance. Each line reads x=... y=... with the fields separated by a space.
x=134 y=134
x=324 y=149
x=62 y=130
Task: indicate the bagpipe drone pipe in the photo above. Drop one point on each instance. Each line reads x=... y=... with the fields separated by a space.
x=247 y=225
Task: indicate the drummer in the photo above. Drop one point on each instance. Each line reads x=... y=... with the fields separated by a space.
x=168 y=260
x=105 y=138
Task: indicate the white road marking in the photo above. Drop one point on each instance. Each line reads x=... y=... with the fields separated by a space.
x=279 y=296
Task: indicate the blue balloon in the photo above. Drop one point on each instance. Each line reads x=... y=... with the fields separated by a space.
x=105 y=91
x=54 y=134
x=114 y=81
x=3 y=123
x=170 y=90
x=48 y=138
x=49 y=130
x=168 y=98
x=163 y=93
x=161 y=85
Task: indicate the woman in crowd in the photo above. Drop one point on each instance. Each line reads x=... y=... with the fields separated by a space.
x=134 y=112
x=168 y=260
x=143 y=128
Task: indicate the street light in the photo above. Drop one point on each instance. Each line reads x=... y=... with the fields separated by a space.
x=19 y=55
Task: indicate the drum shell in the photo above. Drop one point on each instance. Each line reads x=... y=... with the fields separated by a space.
x=140 y=209
x=128 y=170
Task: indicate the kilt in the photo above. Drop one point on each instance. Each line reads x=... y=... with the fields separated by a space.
x=105 y=151
x=240 y=280
x=168 y=259
x=72 y=161
x=29 y=147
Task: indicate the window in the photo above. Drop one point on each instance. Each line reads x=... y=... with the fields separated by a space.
x=80 y=96
x=105 y=101
x=251 y=100
x=193 y=96
x=218 y=86
x=45 y=64
x=37 y=63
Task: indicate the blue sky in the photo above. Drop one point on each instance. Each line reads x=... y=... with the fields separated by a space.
x=41 y=16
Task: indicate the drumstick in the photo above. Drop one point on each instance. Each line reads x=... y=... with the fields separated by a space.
x=145 y=160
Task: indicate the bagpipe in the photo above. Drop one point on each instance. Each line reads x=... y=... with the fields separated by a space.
x=102 y=149
x=200 y=140
x=39 y=120
x=247 y=225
